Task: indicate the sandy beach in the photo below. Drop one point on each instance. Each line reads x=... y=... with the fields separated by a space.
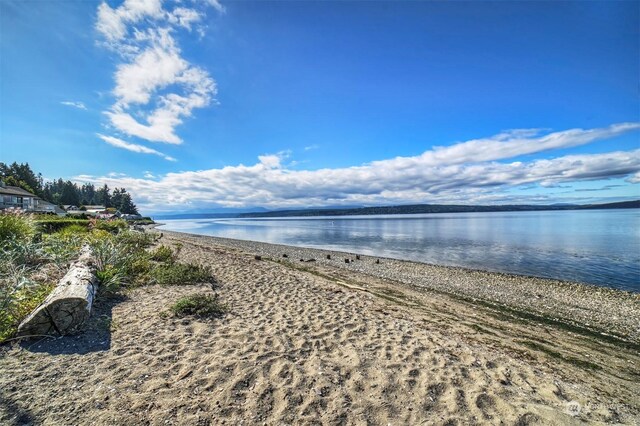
x=316 y=340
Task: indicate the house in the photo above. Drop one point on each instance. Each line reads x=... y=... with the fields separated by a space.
x=17 y=198
x=12 y=197
x=101 y=212
x=47 y=207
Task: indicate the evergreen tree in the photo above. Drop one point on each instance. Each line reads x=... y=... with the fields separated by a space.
x=65 y=192
x=103 y=196
x=70 y=194
x=126 y=203
x=88 y=194
x=116 y=198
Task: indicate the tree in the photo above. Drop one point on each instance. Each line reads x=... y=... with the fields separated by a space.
x=126 y=204
x=70 y=194
x=61 y=192
x=88 y=193
x=103 y=196
x=22 y=176
x=116 y=198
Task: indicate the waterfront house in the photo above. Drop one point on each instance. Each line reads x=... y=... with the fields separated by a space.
x=12 y=197
x=17 y=198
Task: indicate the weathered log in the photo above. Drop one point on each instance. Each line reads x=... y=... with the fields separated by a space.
x=69 y=304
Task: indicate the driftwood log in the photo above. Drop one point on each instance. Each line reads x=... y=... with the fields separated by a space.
x=68 y=305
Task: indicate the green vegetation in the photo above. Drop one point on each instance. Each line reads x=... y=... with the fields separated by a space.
x=15 y=227
x=112 y=226
x=180 y=274
x=66 y=192
x=34 y=255
x=163 y=254
x=51 y=224
x=199 y=305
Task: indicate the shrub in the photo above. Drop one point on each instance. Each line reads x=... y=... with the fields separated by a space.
x=15 y=226
x=113 y=260
x=163 y=254
x=136 y=240
x=62 y=247
x=51 y=225
x=113 y=226
x=18 y=297
x=111 y=278
x=199 y=305
x=143 y=221
x=73 y=229
x=23 y=252
x=180 y=274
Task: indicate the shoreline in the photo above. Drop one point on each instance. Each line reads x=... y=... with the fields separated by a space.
x=610 y=313
x=322 y=342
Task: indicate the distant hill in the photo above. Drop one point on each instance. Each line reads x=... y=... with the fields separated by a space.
x=437 y=208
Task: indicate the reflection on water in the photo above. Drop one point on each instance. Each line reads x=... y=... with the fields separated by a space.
x=593 y=246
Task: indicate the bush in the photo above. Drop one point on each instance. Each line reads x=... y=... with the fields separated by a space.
x=62 y=246
x=15 y=226
x=73 y=229
x=199 y=305
x=23 y=252
x=136 y=240
x=51 y=225
x=121 y=259
x=163 y=254
x=180 y=274
x=111 y=278
x=142 y=221
x=17 y=301
x=112 y=226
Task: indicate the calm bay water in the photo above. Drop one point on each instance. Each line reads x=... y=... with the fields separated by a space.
x=599 y=247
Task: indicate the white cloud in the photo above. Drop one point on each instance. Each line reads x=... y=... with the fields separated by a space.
x=216 y=5
x=420 y=179
x=184 y=17
x=119 y=143
x=112 y=23
x=515 y=143
x=634 y=178
x=155 y=87
x=154 y=68
x=74 y=104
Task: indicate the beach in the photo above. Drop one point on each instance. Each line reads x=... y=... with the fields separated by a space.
x=315 y=340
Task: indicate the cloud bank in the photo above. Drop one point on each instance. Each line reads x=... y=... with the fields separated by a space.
x=156 y=88
x=466 y=172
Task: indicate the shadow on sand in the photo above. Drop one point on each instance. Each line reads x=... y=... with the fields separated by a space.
x=18 y=415
x=94 y=336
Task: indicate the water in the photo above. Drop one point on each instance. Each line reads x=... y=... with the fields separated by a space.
x=600 y=247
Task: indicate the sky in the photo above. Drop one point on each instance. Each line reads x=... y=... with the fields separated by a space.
x=198 y=106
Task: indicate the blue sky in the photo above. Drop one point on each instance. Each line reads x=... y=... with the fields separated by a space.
x=201 y=105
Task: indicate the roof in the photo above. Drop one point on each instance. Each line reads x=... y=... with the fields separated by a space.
x=48 y=204
x=14 y=190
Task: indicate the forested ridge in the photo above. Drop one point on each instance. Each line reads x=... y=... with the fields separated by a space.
x=65 y=192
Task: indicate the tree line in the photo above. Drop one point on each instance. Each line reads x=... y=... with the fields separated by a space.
x=65 y=192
